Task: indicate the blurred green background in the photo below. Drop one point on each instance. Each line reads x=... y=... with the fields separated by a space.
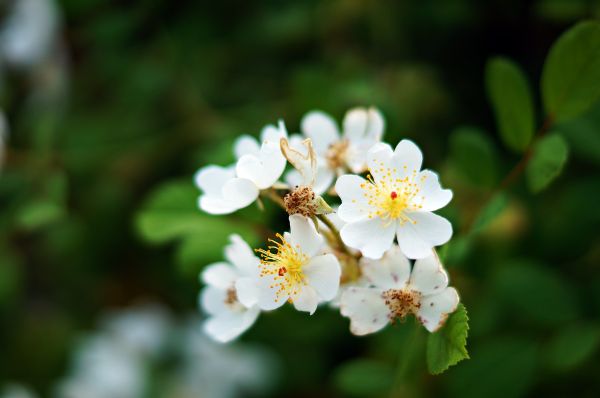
x=98 y=208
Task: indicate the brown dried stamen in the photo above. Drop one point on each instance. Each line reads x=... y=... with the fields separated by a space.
x=402 y=302
x=336 y=154
x=301 y=201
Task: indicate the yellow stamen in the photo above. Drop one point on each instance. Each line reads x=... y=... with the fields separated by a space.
x=283 y=262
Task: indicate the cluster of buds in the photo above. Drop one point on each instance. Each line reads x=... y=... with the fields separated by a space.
x=373 y=257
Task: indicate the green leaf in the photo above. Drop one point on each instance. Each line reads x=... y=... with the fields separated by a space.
x=448 y=346
x=547 y=161
x=572 y=346
x=509 y=92
x=363 y=377
x=39 y=213
x=583 y=135
x=500 y=367
x=571 y=75
x=489 y=213
x=535 y=294
x=472 y=152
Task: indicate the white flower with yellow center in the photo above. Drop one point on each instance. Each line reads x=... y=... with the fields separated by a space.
x=231 y=296
x=395 y=292
x=295 y=269
x=228 y=189
x=396 y=200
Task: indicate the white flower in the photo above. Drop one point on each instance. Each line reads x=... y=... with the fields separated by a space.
x=362 y=128
x=230 y=296
x=228 y=189
x=397 y=200
x=396 y=292
x=320 y=177
x=294 y=269
x=29 y=32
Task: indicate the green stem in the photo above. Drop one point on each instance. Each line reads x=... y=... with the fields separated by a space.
x=336 y=233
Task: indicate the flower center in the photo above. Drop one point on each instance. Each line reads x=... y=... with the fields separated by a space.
x=231 y=299
x=402 y=302
x=390 y=197
x=283 y=262
x=336 y=154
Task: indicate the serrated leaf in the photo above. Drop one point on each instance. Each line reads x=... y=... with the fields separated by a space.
x=510 y=95
x=547 y=161
x=571 y=75
x=572 y=346
x=448 y=346
x=364 y=377
x=473 y=154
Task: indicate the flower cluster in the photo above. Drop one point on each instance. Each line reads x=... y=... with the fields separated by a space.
x=374 y=257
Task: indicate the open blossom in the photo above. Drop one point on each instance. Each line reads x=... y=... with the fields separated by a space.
x=295 y=269
x=230 y=297
x=396 y=200
x=228 y=189
x=395 y=291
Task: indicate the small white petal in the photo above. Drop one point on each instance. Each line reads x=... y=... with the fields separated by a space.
x=212 y=300
x=321 y=129
x=428 y=276
x=216 y=205
x=323 y=274
x=371 y=236
x=366 y=309
x=221 y=275
x=434 y=309
x=324 y=178
x=362 y=123
x=273 y=133
x=210 y=179
x=304 y=235
x=265 y=169
x=306 y=299
x=247 y=291
x=429 y=230
x=246 y=145
x=354 y=205
x=239 y=253
x=380 y=160
x=407 y=158
x=267 y=297
x=390 y=272
x=240 y=192
x=431 y=196
x=229 y=325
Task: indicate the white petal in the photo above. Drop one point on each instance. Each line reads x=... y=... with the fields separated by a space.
x=212 y=300
x=216 y=205
x=304 y=235
x=362 y=123
x=267 y=297
x=366 y=309
x=390 y=272
x=239 y=253
x=210 y=179
x=354 y=205
x=321 y=129
x=245 y=145
x=293 y=178
x=428 y=276
x=380 y=160
x=265 y=169
x=240 y=192
x=306 y=299
x=434 y=309
x=323 y=274
x=324 y=178
x=247 y=291
x=229 y=325
x=273 y=133
x=221 y=275
x=417 y=239
x=407 y=158
x=431 y=196
x=371 y=236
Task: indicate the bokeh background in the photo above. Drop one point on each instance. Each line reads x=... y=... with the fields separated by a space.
x=111 y=106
